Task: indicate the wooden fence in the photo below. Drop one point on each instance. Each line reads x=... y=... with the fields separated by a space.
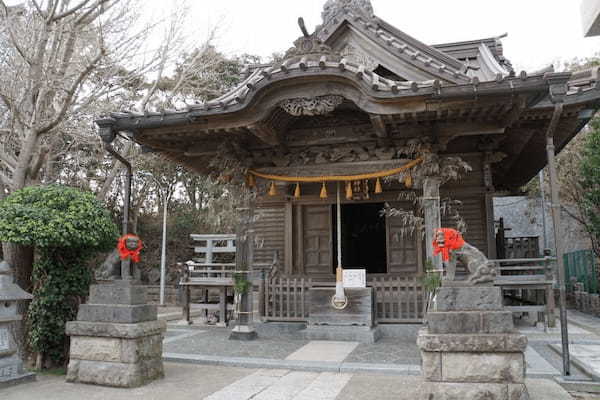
x=286 y=299
x=398 y=299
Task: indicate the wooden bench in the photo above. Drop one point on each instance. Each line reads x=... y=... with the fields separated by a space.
x=525 y=275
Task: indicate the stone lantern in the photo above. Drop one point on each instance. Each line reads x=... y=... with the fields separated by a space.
x=11 y=366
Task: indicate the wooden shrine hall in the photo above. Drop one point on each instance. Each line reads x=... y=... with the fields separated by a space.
x=408 y=137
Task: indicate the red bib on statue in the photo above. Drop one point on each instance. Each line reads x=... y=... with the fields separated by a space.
x=453 y=240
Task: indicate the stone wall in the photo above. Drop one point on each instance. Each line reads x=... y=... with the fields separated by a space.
x=523 y=215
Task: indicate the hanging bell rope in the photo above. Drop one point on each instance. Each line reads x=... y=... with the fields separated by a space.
x=337 y=178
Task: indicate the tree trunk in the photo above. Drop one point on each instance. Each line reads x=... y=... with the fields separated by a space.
x=20 y=259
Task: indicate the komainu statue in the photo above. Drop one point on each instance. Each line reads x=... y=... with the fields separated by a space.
x=454 y=249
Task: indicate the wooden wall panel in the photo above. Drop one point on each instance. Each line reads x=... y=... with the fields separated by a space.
x=269 y=233
x=403 y=252
x=472 y=211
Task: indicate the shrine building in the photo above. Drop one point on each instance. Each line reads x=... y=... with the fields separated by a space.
x=409 y=136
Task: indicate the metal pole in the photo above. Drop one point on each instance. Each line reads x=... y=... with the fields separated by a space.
x=555 y=206
x=543 y=198
x=163 y=255
x=339 y=228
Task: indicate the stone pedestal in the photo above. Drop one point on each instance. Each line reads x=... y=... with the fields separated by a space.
x=470 y=349
x=117 y=339
x=353 y=323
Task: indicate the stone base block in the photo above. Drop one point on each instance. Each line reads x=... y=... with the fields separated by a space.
x=470 y=322
x=473 y=367
x=115 y=374
x=482 y=343
x=470 y=391
x=361 y=334
x=130 y=358
x=24 y=377
x=124 y=314
x=117 y=293
x=115 y=330
x=468 y=299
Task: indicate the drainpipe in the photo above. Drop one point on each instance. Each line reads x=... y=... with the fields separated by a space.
x=109 y=148
x=555 y=206
x=108 y=134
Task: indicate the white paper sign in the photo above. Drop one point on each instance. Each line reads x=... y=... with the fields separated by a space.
x=4 y=339
x=355 y=278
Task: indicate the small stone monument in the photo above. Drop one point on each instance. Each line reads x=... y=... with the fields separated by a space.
x=117 y=339
x=11 y=366
x=470 y=348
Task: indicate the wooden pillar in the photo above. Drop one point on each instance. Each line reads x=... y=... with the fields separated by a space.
x=431 y=208
x=555 y=207
x=243 y=265
x=223 y=306
x=489 y=207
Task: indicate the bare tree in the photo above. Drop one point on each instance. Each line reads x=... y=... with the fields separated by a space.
x=62 y=62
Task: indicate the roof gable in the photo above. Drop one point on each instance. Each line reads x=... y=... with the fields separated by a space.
x=350 y=28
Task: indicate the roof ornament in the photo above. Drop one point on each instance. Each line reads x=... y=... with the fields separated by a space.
x=333 y=7
x=302 y=26
x=307 y=44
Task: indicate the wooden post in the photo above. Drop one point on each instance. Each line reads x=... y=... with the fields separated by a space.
x=243 y=262
x=431 y=207
x=559 y=250
x=186 y=305
x=223 y=306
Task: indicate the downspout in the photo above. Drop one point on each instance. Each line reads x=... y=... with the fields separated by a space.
x=108 y=134
x=127 y=196
x=556 y=208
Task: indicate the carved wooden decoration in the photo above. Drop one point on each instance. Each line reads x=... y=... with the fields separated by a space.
x=320 y=105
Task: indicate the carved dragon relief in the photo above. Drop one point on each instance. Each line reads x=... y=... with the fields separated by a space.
x=320 y=105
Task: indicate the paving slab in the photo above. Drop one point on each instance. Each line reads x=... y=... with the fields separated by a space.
x=538 y=365
x=585 y=356
x=181 y=382
x=318 y=350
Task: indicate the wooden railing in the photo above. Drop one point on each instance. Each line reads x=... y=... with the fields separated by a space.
x=526 y=280
x=286 y=299
x=398 y=299
x=522 y=247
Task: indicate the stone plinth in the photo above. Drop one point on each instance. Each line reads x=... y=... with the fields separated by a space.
x=117 y=339
x=353 y=323
x=470 y=349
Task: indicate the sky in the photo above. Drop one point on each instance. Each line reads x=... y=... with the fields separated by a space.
x=540 y=32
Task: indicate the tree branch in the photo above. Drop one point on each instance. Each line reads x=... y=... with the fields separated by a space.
x=70 y=11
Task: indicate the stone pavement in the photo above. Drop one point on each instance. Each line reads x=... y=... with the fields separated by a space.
x=391 y=355
x=193 y=382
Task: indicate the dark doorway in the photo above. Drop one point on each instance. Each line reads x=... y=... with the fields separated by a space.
x=363 y=237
